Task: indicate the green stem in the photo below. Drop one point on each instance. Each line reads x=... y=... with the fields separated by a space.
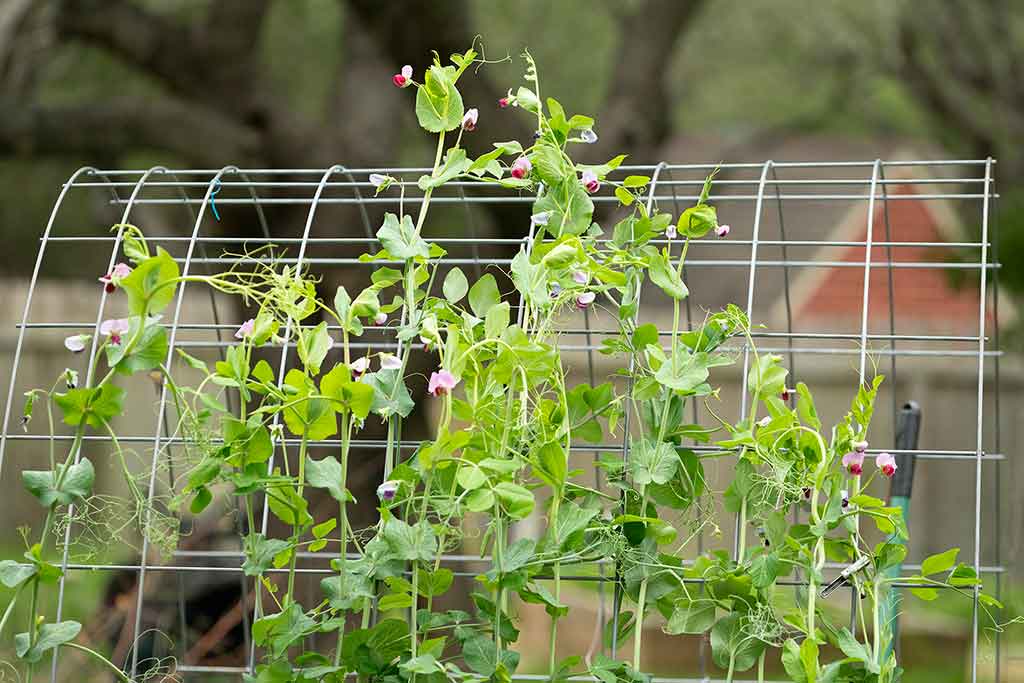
x=121 y=675
x=639 y=627
x=290 y=595
x=343 y=517
x=742 y=548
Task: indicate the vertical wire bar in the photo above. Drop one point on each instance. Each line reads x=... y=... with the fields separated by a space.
x=314 y=205
x=865 y=301
x=180 y=298
x=28 y=302
x=88 y=380
x=785 y=282
x=617 y=597
x=997 y=421
x=979 y=443
x=755 y=237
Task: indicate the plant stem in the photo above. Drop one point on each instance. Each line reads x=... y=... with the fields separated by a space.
x=121 y=675
x=742 y=548
x=289 y=596
x=343 y=517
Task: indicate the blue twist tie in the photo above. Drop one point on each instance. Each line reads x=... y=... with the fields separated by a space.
x=213 y=199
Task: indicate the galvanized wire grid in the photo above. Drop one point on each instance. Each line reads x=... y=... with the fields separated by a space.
x=337 y=215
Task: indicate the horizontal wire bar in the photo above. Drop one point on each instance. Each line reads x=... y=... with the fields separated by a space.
x=151 y=184
x=213 y=239
x=576 y=331
x=513 y=199
x=626 y=167
x=925 y=454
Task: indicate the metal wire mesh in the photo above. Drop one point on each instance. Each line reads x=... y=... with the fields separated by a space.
x=780 y=213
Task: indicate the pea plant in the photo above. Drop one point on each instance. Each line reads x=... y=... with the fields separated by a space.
x=508 y=419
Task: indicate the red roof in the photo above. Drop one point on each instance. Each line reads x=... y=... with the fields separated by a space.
x=924 y=298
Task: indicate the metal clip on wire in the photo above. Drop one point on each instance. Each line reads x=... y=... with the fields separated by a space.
x=845 y=574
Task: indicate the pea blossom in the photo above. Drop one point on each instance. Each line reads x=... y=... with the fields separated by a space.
x=590 y=182
x=786 y=393
x=470 y=119
x=388 y=490
x=390 y=361
x=854 y=463
x=541 y=218
x=380 y=181
x=114 y=328
x=380 y=318
x=521 y=167
x=588 y=136
x=579 y=277
x=360 y=365
x=112 y=279
x=671 y=232
x=844 y=495
x=403 y=79
x=76 y=342
x=887 y=463
x=722 y=230
x=441 y=382
x=508 y=99
x=585 y=299
x=764 y=421
x=859 y=446
x=246 y=329
x=556 y=289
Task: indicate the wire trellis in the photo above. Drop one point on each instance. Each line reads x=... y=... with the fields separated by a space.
x=335 y=211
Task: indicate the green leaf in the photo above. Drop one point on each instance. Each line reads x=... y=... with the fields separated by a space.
x=571 y=208
x=313 y=346
x=767 y=377
x=936 y=564
x=148 y=352
x=390 y=395
x=697 y=221
x=95 y=406
x=730 y=640
x=636 y=180
x=455 y=285
x=347 y=396
x=484 y=295
x=278 y=632
x=764 y=569
x=530 y=279
x=260 y=552
x=517 y=500
x=438 y=103
x=851 y=647
x=288 y=506
x=13 y=574
x=326 y=474
x=150 y=286
x=310 y=416
x=686 y=374
x=497 y=320
x=400 y=239
x=75 y=485
x=665 y=276
x=422 y=664
x=415 y=542
x=691 y=616
x=48 y=637
x=652 y=463
x=455 y=162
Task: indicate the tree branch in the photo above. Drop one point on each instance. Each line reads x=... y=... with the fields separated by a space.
x=98 y=130
x=638 y=115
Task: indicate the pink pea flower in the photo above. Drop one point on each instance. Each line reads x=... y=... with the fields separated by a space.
x=844 y=495
x=388 y=490
x=671 y=232
x=722 y=230
x=426 y=343
x=114 y=328
x=76 y=342
x=380 y=318
x=360 y=365
x=860 y=446
x=585 y=299
x=588 y=136
x=470 y=119
x=521 y=167
x=114 y=277
x=854 y=463
x=403 y=79
x=506 y=100
x=590 y=182
x=441 y=382
x=887 y=463
x=764 y=421
x=786 y=394
x=246 y=329
x=579 y=277
x=390 y=361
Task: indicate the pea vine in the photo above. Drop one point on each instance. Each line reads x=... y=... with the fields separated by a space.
x=508 y=421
